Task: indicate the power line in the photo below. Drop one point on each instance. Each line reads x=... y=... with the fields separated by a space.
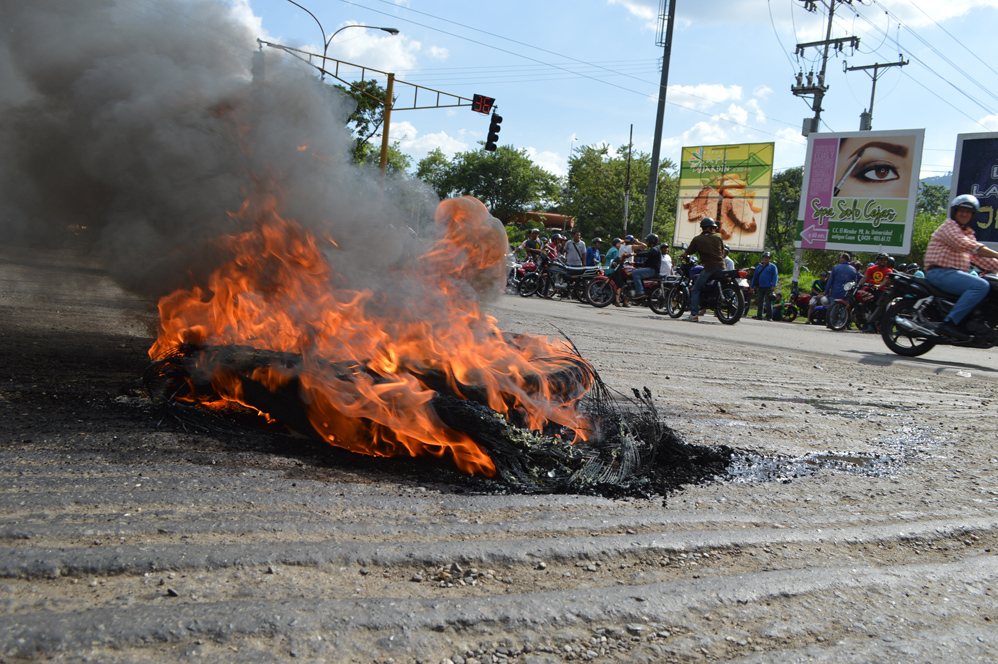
x=963 y=45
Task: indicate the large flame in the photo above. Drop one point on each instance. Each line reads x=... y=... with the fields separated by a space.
x=369 y=358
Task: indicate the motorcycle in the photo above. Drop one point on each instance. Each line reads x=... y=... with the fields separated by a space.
x=556 y=278
x=516 y=271
x=724 y=293
x=619 y=286
x=798 y=302
x=917 y=307
x=862 y=305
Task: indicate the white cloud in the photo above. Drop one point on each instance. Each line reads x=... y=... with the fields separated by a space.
x=243 y=13
x=703 y=95
x=760 y=115
x=645 y=12
x=411 y=143
x=762 y=91
x=990 y=121
x=551 y=162
x=374 y=48
x=438 y=52
x=925 y=13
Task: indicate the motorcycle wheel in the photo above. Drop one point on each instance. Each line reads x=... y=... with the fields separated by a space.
x=600 y=292
x=729 y=308
x=898 y=339
x=790 y=313
x=528 y=285
x=677 y=299
x=837 y=316
x=658 y=300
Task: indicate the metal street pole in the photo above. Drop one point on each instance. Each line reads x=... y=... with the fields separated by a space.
x=627 y=181
x=660 y=115
x=389 y=88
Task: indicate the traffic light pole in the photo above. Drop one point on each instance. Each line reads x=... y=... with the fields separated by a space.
x=659 y=117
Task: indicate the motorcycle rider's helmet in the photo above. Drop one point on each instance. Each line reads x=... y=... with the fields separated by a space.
x=912 y=268
x=616 y=241
x=883 y=255
x=558 y=236
x=534 y=230
x=966 y=202
x=597 y=239
x=628 y=238
x=651 y=239
x=824 y=274
x=706 y=223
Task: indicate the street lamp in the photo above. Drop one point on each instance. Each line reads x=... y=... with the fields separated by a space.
x=391 y=31
x=325 y=47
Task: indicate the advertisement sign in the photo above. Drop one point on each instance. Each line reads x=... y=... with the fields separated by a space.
x=730 y=184
x=976 y=172
x=859 y=191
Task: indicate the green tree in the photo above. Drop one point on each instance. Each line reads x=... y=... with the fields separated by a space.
x=506 y=180
x=366 y=121
x=433 y=170
x=784 y=205
x=595 y=187
x=932 y=199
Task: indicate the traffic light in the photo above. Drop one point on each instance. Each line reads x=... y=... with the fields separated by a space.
x=490 y=142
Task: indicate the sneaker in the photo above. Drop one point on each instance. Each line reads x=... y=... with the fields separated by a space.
x=693 y=318
x=757 y=317
x=949 y=330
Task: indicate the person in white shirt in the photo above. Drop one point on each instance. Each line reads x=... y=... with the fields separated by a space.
x=575 y=251
x=728 y=263
x=665 y=267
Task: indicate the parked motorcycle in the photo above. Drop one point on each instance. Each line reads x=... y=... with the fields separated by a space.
x=724 y=293
x=556 y=278
x=862 y=305
x=516 y=271
x=917 y=307
x=619 y=285
x=797 y=304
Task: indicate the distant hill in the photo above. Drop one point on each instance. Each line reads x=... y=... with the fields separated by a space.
x=944 y=180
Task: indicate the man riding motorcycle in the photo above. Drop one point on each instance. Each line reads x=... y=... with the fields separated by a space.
x=947 y=264
x=710 y=247
x=651 y=260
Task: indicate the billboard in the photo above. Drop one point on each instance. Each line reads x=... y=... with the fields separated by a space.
x=975 y=171
x=729 y=183
x=859 y=191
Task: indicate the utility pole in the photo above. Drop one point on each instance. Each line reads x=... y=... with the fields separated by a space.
x=866 y=117
x=813 y=87
x=816 y=88
x=657 y=146
x=627 y=180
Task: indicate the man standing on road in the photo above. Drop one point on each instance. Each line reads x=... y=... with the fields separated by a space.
x=765 y=278
x=947 y=264
x=842 y=274
x=592 y=253
x=729 y=263
x=710 y=247
x=575 y=251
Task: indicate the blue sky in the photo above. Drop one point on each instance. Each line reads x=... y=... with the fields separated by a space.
x=575 y=73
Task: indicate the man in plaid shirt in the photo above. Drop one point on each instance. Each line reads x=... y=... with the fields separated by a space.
x=947 y=264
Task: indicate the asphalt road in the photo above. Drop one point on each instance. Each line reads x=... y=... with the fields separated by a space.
x=858 y=522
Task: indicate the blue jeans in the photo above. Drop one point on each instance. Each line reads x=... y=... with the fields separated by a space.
x=641 y=274
x=702 y=279
x=971 y=289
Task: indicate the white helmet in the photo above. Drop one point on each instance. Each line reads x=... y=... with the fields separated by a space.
x=965 y=202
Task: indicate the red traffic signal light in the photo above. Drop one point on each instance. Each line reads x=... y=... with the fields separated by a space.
x=490 y=142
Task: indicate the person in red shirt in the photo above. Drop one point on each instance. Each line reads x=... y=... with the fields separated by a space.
x=876 y=275
x=947 y=264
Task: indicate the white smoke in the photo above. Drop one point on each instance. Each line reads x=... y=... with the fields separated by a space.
x=142 y=121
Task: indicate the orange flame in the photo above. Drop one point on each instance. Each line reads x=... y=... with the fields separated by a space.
x=372 y=361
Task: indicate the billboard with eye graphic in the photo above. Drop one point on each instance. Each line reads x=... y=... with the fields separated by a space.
x=859 y=191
